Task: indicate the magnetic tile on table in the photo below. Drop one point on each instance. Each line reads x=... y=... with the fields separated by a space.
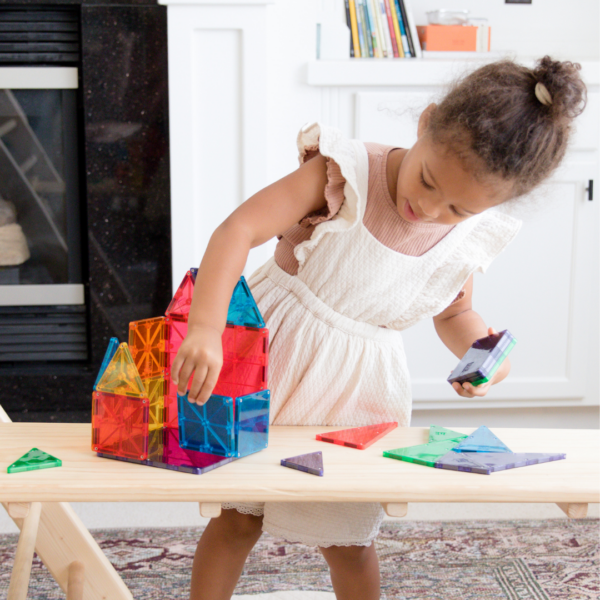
x=482 y=440
x=309 y=463
x=33 y=460
x=147 y=346
x=501 y=461
x=461 y=461
x=358 y=437
x=440 y=434
x=251 y=416
x=121 y=376
x=421 y=454
x=208 y=428
x=113 y=344
x=242 y=307
x=179 y=307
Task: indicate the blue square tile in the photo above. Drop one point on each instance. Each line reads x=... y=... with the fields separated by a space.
x=252 y=422
x=208 y=428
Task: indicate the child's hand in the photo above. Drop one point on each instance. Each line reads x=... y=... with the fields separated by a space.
x=471 y=391
x=201 y=355
x=467 y=390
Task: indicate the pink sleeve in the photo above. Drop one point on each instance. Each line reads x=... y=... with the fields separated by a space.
x=334 y=193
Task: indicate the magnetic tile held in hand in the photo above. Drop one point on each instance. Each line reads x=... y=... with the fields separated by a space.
x=358 y=437
x=33 y=460
x=482 y=440
x=440 y=434
x=309 y=463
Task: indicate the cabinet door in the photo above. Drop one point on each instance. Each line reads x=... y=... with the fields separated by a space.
x=543 y=288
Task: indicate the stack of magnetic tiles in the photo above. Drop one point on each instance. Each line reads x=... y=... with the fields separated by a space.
x=137 y=415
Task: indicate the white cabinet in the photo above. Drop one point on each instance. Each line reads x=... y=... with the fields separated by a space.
x=544 y=287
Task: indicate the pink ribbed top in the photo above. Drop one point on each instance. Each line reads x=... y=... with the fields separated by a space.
x=381 y=215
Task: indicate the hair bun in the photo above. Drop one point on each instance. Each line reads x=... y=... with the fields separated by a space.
x=566 y=93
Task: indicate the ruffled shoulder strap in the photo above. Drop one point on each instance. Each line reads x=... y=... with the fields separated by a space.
x=352 y=158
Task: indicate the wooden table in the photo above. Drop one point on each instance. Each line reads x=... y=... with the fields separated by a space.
x=350 y=476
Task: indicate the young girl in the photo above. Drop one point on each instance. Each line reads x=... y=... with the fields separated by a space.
x=372 y=239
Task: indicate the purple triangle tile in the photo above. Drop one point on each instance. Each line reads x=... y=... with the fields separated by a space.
x=500 y=461
x=461 y=461
x=309 y=463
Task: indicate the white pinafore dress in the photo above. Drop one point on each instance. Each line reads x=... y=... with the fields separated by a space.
x=336 y=355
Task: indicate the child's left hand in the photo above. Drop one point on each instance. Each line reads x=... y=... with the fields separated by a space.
x=470 y=391
x=467 y=390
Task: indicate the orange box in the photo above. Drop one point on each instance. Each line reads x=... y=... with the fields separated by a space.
x=453 y=38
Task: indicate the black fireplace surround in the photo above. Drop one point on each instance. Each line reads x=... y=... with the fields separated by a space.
x=125 y=197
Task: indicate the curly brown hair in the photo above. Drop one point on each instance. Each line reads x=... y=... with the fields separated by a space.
x=494 y=116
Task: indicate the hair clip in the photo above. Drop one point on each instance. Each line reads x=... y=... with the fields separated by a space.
x=542 y=94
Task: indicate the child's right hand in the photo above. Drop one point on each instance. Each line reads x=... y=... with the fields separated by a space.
x=200 y=355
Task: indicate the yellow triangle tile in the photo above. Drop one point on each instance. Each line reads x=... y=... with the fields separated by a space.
x=121 y=376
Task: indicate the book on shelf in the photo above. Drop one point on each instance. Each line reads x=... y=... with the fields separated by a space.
x=382 y=29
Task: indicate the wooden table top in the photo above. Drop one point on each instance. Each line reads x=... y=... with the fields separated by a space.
x=350 y=475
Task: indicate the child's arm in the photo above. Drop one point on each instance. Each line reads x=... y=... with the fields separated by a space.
x=458 y=327
x=268 y=213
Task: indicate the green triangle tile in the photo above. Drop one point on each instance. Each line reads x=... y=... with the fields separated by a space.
x=423 y=454
x=32 y=461
x=441 y=434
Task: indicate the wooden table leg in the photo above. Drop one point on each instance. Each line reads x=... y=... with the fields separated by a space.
x=76 y=581
x=395 y=509
x=573 y=510
x=19 y=580
x=210 y=510
x=62 y=538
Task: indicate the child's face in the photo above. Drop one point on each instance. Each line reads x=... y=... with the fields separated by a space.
x=434 y=186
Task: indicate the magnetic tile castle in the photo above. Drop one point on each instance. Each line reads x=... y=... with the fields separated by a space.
x=481 y=452
x=137 y=415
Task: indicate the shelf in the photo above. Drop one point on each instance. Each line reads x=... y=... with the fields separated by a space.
x=409 y=71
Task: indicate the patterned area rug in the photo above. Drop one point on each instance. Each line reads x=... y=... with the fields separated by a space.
x=454 y=560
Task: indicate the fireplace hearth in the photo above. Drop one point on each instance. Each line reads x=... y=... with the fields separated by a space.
x=58 y=311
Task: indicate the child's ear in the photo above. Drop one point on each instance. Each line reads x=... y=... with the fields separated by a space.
x=424 y=119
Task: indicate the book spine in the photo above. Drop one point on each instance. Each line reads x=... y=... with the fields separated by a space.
x=407 y=31
x=396 y=28
x=347 y=6
x=402 y=28
x=367 y=25
x=372 y=29
x=354 y=29
x=380 y=30
x=412 y=29
x=391 y=34
x=362 y=35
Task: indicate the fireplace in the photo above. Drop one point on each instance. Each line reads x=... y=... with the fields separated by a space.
x=84 y=192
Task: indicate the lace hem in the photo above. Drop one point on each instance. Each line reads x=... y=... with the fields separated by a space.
x=244 y=508
x=307 y=540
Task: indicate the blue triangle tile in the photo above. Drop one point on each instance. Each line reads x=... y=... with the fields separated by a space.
x=242 y=308
x=482 y=440
x=309 y=463
x=111 y=350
